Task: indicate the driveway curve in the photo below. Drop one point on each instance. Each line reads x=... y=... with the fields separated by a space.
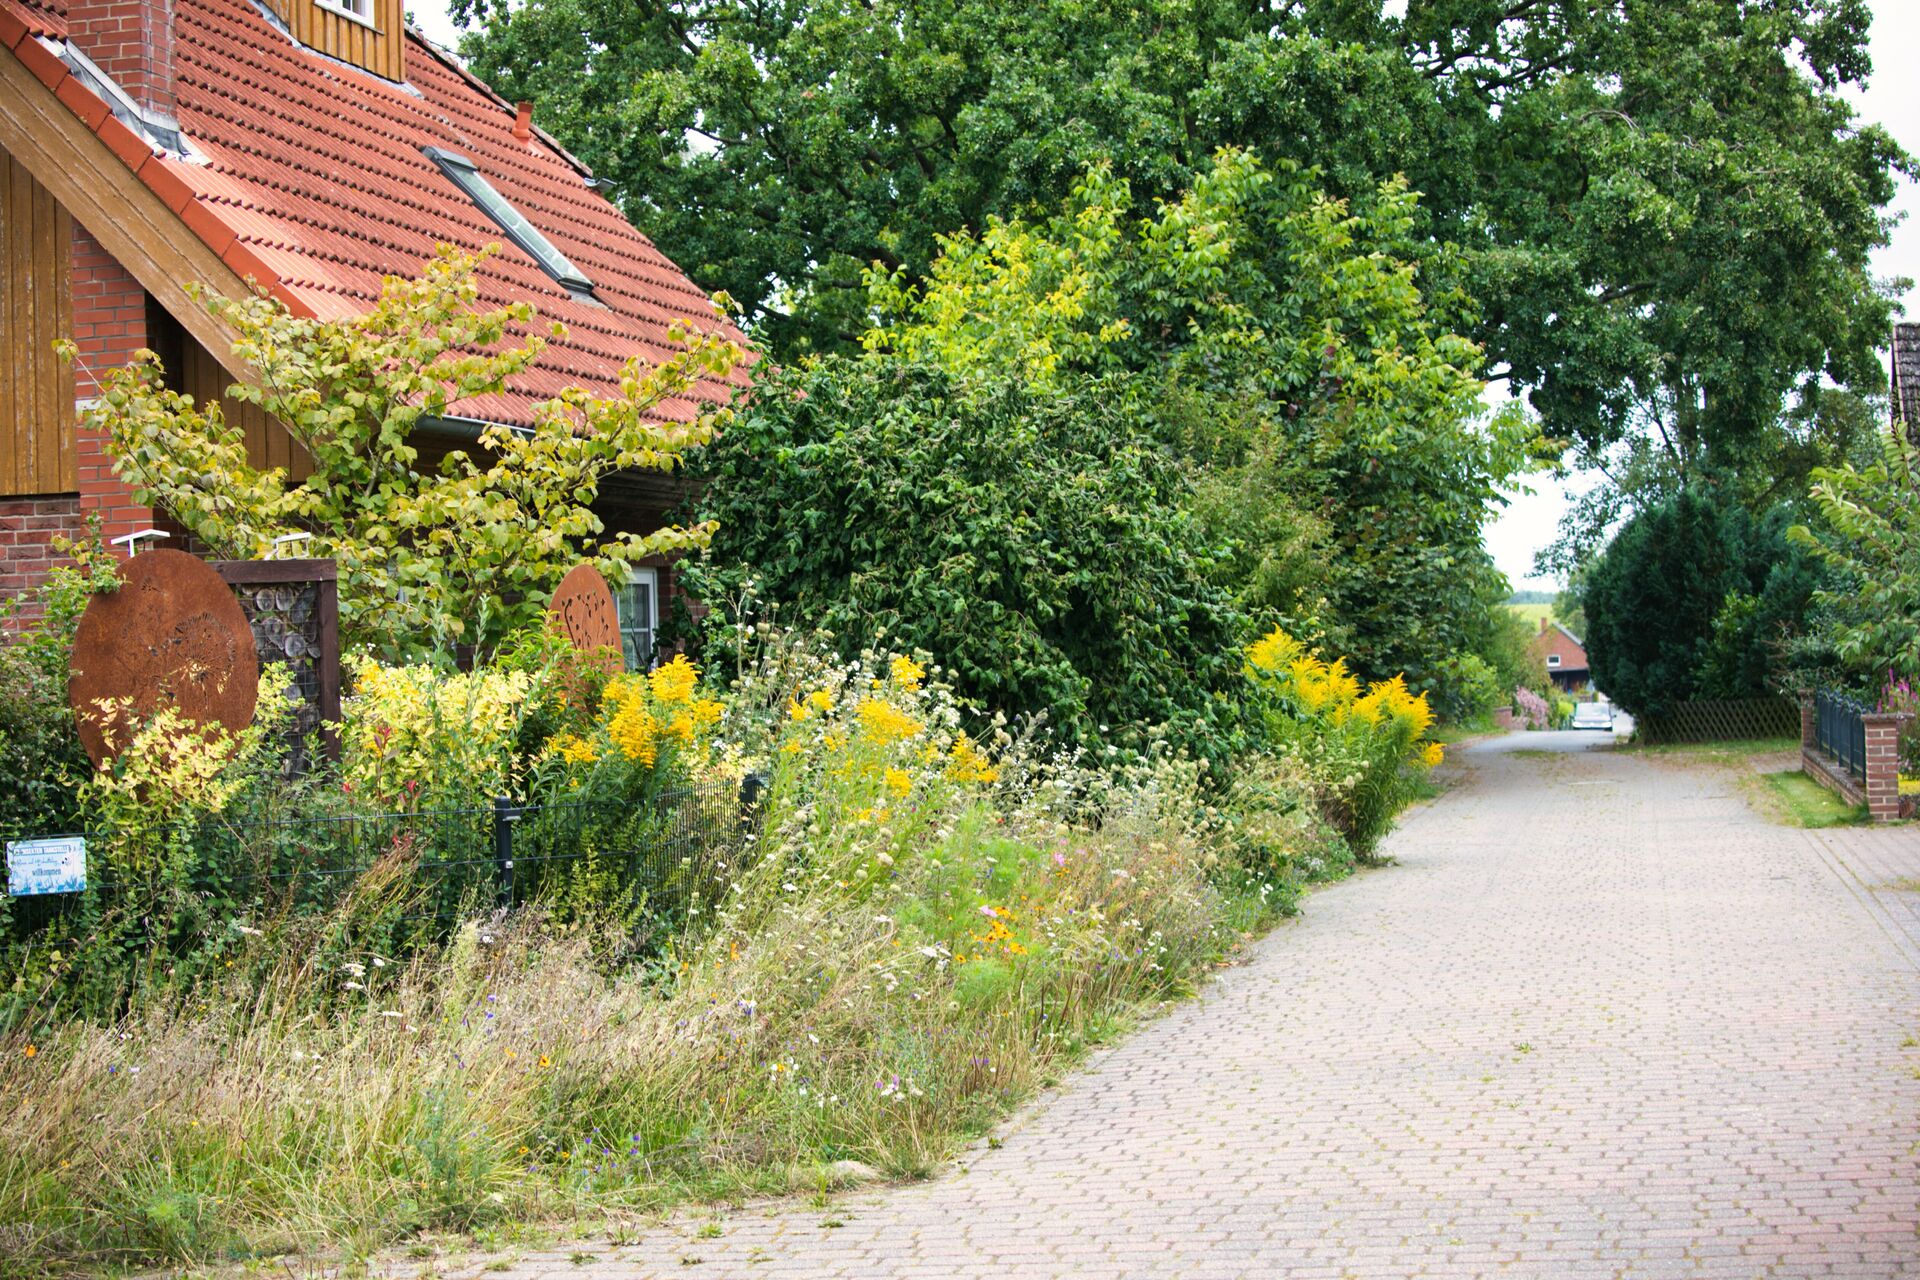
x=1601 y=1020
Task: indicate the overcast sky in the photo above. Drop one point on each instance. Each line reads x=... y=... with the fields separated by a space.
x=1892 y=99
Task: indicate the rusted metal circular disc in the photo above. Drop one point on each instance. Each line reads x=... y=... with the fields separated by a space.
x=172 y=635
x=584 y=605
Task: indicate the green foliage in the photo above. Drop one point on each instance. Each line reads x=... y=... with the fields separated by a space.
x=1599 y=181
x=1870 y=535
x=1337 y=472
x=430 y=561
x=928 y=932
x=1367 y=750
x=1507 y=647
x=1464 y=686
x=1694 y=598
x=40 y=751
x=1025 y=535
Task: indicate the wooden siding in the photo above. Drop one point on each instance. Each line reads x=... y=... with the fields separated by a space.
x=380 y=48
x=192 y=370
x=36 y=308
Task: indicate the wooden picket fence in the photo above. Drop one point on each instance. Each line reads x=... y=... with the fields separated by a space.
x=1720 y=721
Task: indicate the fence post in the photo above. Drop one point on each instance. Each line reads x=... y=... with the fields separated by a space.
x=1880 y=754
x=504 y=816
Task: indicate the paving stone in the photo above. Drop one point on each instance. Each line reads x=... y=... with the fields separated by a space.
x=1600 y=1020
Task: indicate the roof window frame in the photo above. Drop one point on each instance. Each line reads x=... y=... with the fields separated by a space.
x=529 y=239
x=349 y=9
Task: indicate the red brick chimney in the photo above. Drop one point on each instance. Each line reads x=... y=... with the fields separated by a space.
x=132 y=42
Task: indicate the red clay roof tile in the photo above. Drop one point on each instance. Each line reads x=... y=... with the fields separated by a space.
x=165 y=183
x=316 y=173
x=82 y=102
x=49 y=69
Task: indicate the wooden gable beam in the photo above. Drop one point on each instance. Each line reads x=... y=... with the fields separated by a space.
x=96 y=186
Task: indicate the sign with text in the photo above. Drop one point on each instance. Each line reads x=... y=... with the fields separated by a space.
x=55 y=865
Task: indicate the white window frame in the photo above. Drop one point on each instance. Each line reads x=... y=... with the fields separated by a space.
x=351 y=10
x=641 y=584
x=1553 y=659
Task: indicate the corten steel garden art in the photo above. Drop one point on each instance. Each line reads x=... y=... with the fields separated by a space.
x=583 y=606
x=172 y=635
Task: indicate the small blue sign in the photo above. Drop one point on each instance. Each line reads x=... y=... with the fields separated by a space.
x=54 y=865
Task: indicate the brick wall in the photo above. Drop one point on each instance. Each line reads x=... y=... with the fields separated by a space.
x=109 y=326
x=27 y=529
x=1880 y=791
x=132 y=41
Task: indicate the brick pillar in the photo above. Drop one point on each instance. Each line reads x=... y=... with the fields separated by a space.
x=1809 y=724
x=1883 y=764
x=132 y=41
x=109 y=326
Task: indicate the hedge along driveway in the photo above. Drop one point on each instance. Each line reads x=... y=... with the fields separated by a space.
x=1601 y=1020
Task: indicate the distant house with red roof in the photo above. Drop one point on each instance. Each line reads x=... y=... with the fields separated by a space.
x=313 y=147
x=1564 y=654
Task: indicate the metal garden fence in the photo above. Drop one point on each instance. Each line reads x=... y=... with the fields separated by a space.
x=1840 y=732
x=666 y=857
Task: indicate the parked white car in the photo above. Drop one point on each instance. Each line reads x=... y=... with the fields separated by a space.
x=1593 y=715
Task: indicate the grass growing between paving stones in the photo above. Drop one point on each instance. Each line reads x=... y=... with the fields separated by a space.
x=1738 y=751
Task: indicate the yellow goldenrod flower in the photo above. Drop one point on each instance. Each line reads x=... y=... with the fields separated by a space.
x=675 y=681
x=907 y=673
x=899 y=781
x=967 y=763
x=885 y=723
x=1274 y=653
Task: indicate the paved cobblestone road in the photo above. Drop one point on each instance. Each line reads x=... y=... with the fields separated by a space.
x=1601 y=1021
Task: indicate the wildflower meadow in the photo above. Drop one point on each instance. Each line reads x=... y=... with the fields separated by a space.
x=923 y=913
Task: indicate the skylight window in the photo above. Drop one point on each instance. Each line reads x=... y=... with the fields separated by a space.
x=511 y=220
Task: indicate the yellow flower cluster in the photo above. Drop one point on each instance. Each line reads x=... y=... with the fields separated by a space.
x=1392 y=701
x=883 y=723
x=631 y=727
x=639 y=714
x=1328 y=692
x=819 y=702
x=879 y=742
x=1323 y=687
x=967 y=763
x=1274 y=653
x=413 y=729
x=674 y=682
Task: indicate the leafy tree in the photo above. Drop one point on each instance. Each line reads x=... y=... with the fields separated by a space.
x=1693 y=598
x=1280 y=343
x=1870 y=534
x=429 y=560
x=1660 y=211
x=1022 y=534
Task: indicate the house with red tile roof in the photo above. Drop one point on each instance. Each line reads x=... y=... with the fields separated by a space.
x=309 y=148
x=1564 y=655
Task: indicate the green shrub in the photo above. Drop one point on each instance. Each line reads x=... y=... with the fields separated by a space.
x=1869 y=615
x=40 y=752
x=1692 y=599
x=1361 y=748
x=1029 y=538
